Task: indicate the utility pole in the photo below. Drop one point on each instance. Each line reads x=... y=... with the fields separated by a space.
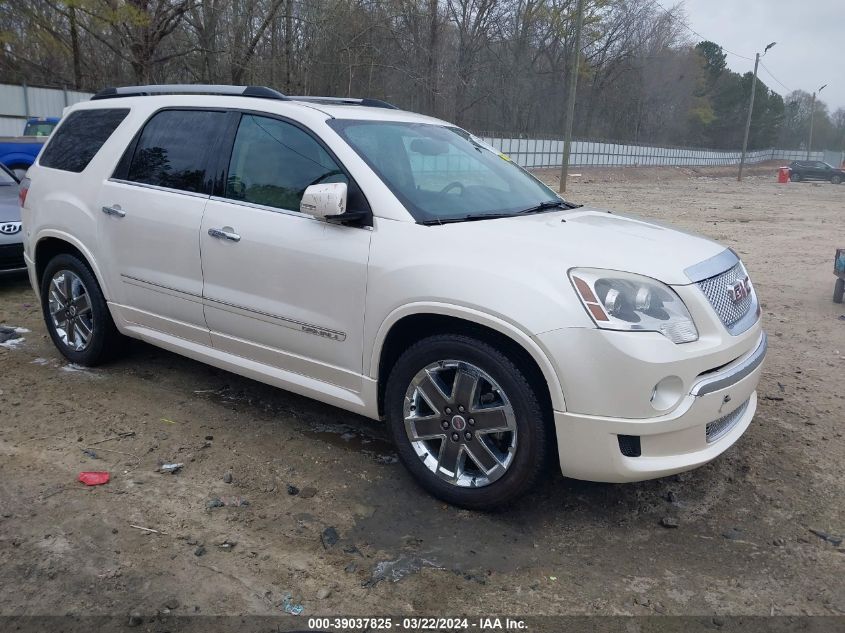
x=812 y=119
x=750 y=111
x=570 y=97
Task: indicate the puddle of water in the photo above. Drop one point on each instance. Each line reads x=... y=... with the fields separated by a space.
x=409 y=525
x=349 y=437
x=231 y=398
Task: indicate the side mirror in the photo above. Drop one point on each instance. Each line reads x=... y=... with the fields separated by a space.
x=326 y=201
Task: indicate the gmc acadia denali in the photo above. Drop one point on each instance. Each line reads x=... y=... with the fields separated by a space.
x=396 y=266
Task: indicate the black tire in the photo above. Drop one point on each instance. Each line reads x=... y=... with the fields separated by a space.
x=836 y=179
x=533 y=447
x=795 y=176
x=105 y=341
x=838 y=290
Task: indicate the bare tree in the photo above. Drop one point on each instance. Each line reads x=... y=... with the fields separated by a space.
x=490 y=65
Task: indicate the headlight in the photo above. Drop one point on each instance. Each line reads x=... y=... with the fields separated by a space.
x=633 y=303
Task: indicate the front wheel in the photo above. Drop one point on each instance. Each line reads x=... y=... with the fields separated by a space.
x=76 y=313
x=836 y=179
x=795 y=177
x=466 y=422
x=838 y=290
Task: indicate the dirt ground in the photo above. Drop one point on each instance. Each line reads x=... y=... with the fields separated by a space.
x=361 y=538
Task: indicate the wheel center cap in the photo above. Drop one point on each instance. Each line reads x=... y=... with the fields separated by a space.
x=459 y=423
x=71 y=311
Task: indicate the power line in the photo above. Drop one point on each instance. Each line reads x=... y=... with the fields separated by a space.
x=694 y=32
x=783 y=85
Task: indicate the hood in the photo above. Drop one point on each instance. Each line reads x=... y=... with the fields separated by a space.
x=592 y=238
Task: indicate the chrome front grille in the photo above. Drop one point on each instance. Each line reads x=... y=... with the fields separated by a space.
x=717 y=289
x=717 y=429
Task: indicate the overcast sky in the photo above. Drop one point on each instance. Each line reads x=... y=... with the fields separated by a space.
x=810 y=38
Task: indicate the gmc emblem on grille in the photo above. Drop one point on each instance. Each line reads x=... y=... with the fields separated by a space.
x=10 y=228
x=740 y=290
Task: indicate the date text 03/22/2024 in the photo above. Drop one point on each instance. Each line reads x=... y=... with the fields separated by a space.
x=418 y=624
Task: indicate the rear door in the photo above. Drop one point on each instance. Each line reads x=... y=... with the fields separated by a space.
x=152 y=210
x=281 y=287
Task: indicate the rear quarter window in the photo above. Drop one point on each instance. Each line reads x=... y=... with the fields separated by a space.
x=80 y=136
x=174 y=149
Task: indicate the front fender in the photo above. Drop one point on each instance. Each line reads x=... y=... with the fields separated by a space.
x=474 y=316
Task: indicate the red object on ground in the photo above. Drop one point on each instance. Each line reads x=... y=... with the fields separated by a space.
x=95 y=478
x=783 y=175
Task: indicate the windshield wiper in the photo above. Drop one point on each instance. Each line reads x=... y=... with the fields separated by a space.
x=549 y=204
x=466 y=218
x=543 y=206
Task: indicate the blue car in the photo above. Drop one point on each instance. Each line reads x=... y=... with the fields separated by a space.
x=19 y=152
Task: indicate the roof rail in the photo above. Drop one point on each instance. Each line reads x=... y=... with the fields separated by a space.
x=202 y=89
x=366 y=102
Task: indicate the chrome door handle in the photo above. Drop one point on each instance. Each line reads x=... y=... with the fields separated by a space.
x=224 y=235
x=116 y=211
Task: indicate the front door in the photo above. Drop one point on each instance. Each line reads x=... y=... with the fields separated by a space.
x=283 y=288
x=152 y=210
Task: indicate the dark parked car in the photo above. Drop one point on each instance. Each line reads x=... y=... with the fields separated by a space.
x=815 y=170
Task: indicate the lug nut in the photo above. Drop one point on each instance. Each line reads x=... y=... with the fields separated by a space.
x=455 y=437
x=448 y=410
x=461 y=408
x=468 y=435
x=472 y=421
x=444 y=424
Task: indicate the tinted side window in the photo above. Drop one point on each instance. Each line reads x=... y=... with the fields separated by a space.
x=273 y=162
x=80 y=137
x=174 y=148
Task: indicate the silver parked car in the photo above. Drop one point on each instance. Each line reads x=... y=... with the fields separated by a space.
x=11 y=238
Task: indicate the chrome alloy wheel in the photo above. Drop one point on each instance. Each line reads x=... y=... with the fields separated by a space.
x=70 y=310
x=460 y=423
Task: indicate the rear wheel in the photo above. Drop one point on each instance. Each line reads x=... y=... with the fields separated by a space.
x=466 y=422
x=838 y=290
x=836 y=179
x=76 y=313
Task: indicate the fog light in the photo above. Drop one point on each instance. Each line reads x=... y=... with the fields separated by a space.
x=667 y=393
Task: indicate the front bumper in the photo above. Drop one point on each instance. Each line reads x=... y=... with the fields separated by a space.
x=11 y=257
x=725 y=399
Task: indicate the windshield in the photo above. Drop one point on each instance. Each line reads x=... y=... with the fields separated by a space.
x=38 y=129
x=441 y=173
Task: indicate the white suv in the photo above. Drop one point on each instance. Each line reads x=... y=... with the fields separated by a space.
x=395 y=266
